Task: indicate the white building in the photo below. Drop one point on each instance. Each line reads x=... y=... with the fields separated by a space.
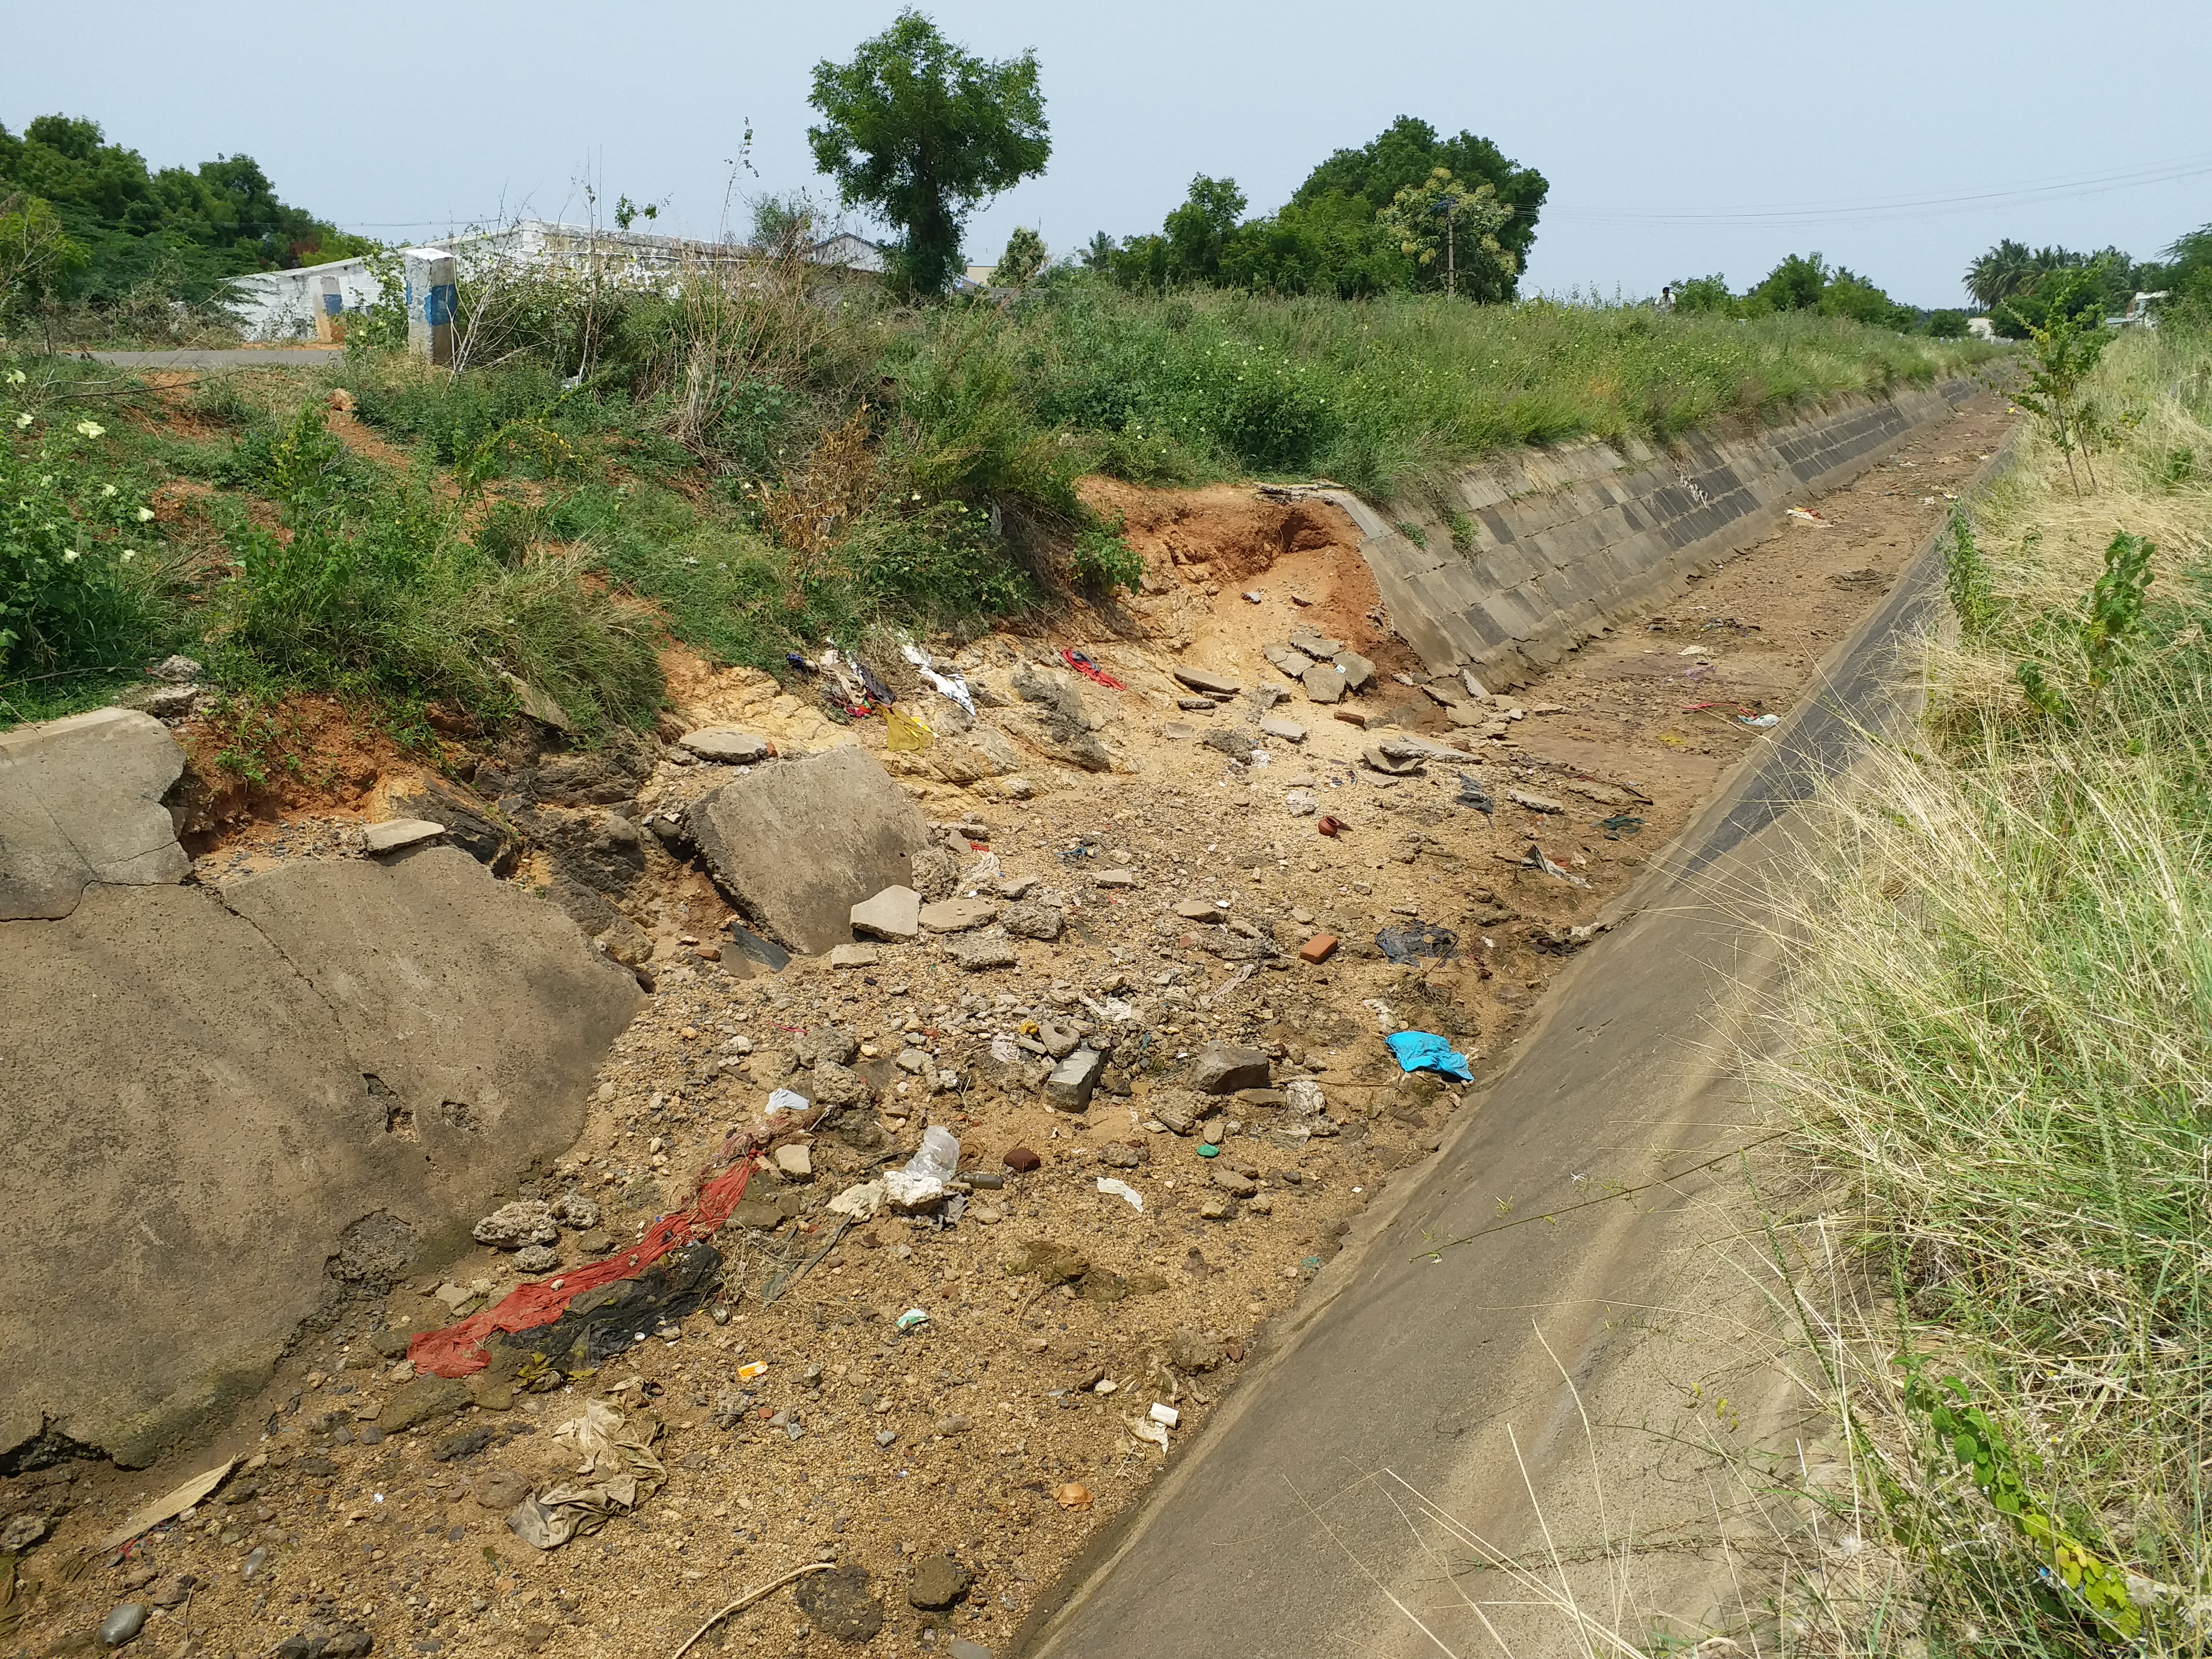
x=290 y=305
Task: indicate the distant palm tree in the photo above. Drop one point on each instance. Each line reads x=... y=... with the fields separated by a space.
x=1098 y=251
x=2001 y=273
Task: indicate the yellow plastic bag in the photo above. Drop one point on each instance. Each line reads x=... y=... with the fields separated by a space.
x=907 y=734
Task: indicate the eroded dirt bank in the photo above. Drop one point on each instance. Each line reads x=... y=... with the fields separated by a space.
x=890 y=1451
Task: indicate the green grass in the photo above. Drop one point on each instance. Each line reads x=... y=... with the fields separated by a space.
x=747 y=469
x=2004 y=1069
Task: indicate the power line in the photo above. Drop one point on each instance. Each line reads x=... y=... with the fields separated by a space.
x=1868 y=211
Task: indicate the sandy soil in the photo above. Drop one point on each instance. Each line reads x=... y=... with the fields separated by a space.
x=961 y=1435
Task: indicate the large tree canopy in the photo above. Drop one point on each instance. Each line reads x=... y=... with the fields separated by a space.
x=923 y=131
x=187 y=228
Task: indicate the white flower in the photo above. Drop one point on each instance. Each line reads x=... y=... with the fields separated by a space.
x=92 y=428
x=106 y=491
x=16 y=377
x=129 y=554
x=23 y=419
x=144 y=514
x=69 y=557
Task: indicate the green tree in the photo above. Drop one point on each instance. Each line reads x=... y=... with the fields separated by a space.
x=1436 y=218
x=1409 y=151
x=1197 y=231
x=923 y=131
x=1795 y=284
x=1024 y=256
x=1705 y=293
x=1098 y=252
x=37 y=258
x=1995 y=276
x=2067 y=343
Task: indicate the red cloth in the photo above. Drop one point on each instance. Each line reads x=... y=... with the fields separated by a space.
x=1090 y=669
x=457 y=1350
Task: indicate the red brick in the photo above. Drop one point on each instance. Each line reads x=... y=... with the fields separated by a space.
x=1319 y=948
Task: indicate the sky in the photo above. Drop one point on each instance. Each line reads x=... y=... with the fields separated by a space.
x=1899 y=139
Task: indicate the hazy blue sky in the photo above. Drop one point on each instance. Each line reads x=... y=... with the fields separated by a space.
x=1666 y=131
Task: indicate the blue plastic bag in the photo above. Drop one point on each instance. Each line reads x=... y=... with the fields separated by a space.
x=1425 y=1051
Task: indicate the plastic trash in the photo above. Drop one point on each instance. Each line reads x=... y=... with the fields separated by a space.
x=1623 y=823
x=1425 y=1051
x=1408 y=941
x=1155 y=1432
x=783 y=1100
x=939 y=1155
x=905 y=733
x=1082 y=664
x=1109 y=1186
x=1763 y=722
x=752 y=1369
x=1166 y=1416
x=953 y=685
x=1472 y=793
x=912 y=1319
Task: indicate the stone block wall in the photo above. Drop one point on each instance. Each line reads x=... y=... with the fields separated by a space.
x=1557 y=544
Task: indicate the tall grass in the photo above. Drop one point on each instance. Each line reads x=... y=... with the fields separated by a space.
x=2002 y=1069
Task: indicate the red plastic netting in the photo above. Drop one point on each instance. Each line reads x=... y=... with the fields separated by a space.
x=457 y=1350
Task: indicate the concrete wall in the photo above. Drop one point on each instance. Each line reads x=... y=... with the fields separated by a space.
x=1564 y=541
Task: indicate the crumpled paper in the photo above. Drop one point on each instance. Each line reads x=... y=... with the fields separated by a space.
x=618 y=1473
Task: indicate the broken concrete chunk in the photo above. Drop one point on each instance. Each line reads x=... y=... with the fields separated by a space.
x=1214 y=685
x=1323 y=683
x=1289 y=730
x=1533 y=803
x=1222 y=1068
x=1114 y=878
x=393 y=833
x=895 y=914
x=936 y=873
x=973 y=951
x=423 y=1400
x=1316 y=645
x=511 y=1226
x=1074 y=1079
x=1018 y=887
x=1033 y=921
x=854 y=956
x=1292 y=664
x=1359 y=673
x=81 y=802
x=958 y=915
x=796 y=846
x=1235 y=1184
x=726 y=744
x=1199 y=909
x=794 y=1162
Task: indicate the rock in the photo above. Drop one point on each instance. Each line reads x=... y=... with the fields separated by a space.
x=1042 y=921
x=1021 y=1159
x=23 y=1531
x=827 y=1045
x=1289 y=730
x=1199 y=909
x=939 y=1582
x=499 y=1489
x=537 y=1259
x=163 y=702
x=836 y=1085
x=1055 y=1264
x=393 y=833
x=1359 y=673
x=1214 y=685
x=1016 y=888
x=80 y=804
x=1053 y=718
x=913 y=1061
x=1323 y=683
x=1059 y=1037
x=1179 y=1114
x=574 y=1209
x=1234 y=1183
x=511 y=1226
x=254 y=1564
x=420 y=1401
x=469 y=825
x=795 y=1162
x=1074 y=1079
x=1192 y=1351
x=1114 y=878
x=886 y=1438
x=170 y=1592
x=601 y=850
x=796 y=846
x=1222 y=1068
x=1304 y=1097
x=908 y=1193
x=958 y=915
x=351 y=1643
x=854 y=956
x=602 y=777
x=125 y=1622
x=1319 y=948
x=895 y=914
x=175 y=670
x=936 y=871
x=595 y=1242
x=972 y=952
x=963 y=1648
x=1301 y=803
x=1121 y=1155
x=1215 y=1209
x=1534 y=803
x=840 y=1604
x=954 y=1424
x=726 y=744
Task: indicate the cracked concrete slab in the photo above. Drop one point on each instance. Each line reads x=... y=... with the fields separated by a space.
x=81 y=804
x=229 y=1116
